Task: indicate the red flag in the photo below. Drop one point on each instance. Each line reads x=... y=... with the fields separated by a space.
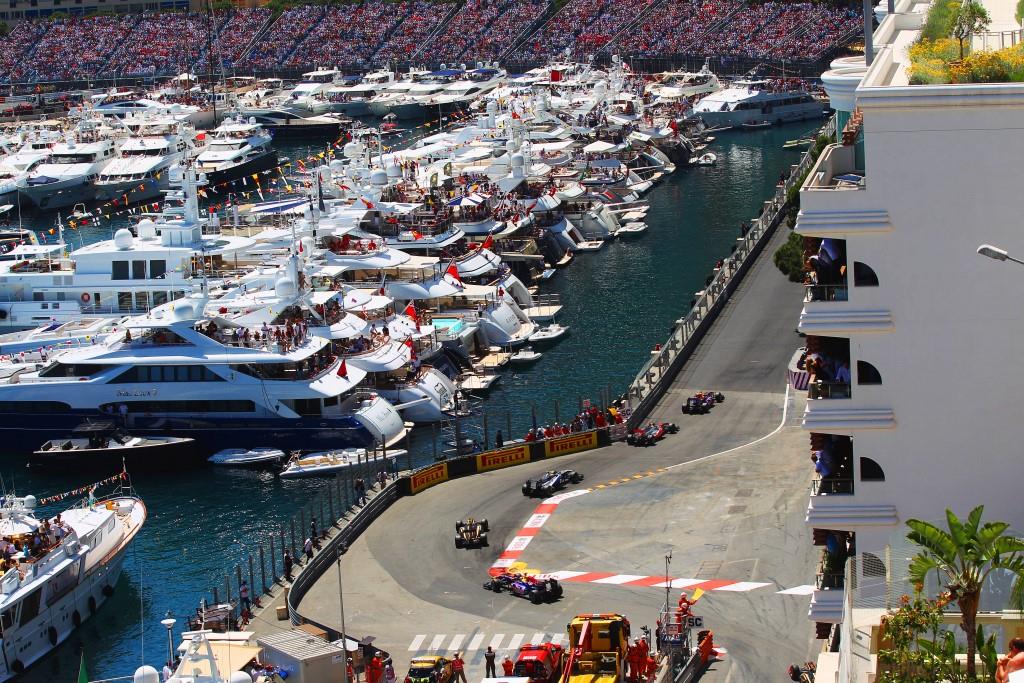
x=343 y=369
x=410 y=311
x=453 y=270
x=489 y=242
x=383 y=279
x=300 y=246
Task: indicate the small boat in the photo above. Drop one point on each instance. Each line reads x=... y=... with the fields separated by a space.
x=589 y=245
x=708 y=159
x=631 y=229
x=525 y=355
x=105 y=442
x=802 y=142
x=716 y=129
x=548 y=333
x=247 y=457
x=324 y=463
x=757 y=125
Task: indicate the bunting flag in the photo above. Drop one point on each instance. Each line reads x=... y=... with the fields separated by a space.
x=453 y=270
x=489 y=242
x=83 y=489
x=383 y=280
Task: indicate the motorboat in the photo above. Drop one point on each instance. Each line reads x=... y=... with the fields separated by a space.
x=754 y=102
x=238 y=148
x=247 y=457
x=547 y=334
x=142 y=170
x=631 y=229
x=106 y=443
x=326 y=463
x=311 y=92
x=67 y=177
x=706 y=159
x=525 y=356
x=284 y=123
x=19 y=163
x=674 y=86
x=67 y=581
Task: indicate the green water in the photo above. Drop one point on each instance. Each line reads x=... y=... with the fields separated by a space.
x=618 y=302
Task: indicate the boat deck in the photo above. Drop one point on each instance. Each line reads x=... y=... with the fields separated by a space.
x=494 y=360
x=542 y=313
x=477 y=382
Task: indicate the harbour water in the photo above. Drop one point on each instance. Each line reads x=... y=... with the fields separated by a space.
x=618 y=302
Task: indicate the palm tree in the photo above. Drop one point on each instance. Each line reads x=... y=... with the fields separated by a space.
x=964 y=557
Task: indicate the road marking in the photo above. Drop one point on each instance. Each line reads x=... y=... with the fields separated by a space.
x=557 y=638
x=601 y=486
x=537 y=639
x=799 y=590
x=564 y=575
x=456 y=642
x=743 y=586
x=677 y=583
x=475 y=643
x=639 y=476
x=437 y=642
x=619 y=579
x=536 y=521
x=417 y=642
x=496 y=641
x=516 y=640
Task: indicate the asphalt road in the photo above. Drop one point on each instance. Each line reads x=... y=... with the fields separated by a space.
x=737 y=515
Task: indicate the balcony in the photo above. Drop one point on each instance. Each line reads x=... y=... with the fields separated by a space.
x=832 y=486
x=834 y=201
x=826 y=293
x=830 y=580
x=821 y=389
x=827 y=319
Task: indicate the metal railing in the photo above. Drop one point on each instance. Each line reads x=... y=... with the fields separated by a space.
x=826 y=293
x=830 y=581
x=829 y=486
x=823 y=389
x=997 y=40
x=655 y=375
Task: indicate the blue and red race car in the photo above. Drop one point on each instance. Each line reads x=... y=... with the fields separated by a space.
x=536 y=590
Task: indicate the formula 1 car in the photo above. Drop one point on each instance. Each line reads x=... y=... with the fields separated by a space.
x=471 y=533
x=551 y=481
x=702 y=402
x=525 y=586
x=651 y=434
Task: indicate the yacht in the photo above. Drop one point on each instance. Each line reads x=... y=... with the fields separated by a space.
x=311 y=92
x=47 y=596
x=463 y=92
x=753 y=102
x=286 y=123
x=176 y=372
x=418 y=100
x=238 y=148
x=394 y=92
x=141 y=171
x=675 y=86
x=67 y=178
x=19 y=163
x=354 y=99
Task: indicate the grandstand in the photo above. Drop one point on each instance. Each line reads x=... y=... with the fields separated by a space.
x=375 y=33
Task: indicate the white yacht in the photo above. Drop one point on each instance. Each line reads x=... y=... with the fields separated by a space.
x=354 y=99
x=20 y=161
x=394 y=92
x=141 y=171
x=674 y=86
x=238 y=148
x=175 y=372
x=752 y=102
x=49 y=594
x=311 y=92
x=419 y=99
x=463 y=92
x=67 y=178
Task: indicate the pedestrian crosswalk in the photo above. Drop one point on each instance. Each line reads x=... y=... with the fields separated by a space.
x=474 y=644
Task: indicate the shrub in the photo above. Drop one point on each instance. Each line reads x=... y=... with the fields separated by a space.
x=789 y=258
x=939 y=21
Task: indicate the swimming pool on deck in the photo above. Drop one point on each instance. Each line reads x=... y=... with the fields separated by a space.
x=453 y=325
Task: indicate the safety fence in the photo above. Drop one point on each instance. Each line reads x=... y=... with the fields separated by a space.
x=657 y=374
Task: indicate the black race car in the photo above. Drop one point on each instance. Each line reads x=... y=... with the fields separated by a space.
x=551 y=481
x=534 y=589
x=651 y=434
x=471 y=533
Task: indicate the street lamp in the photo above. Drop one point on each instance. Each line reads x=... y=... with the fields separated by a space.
x=668 y=581
x=341 y=607
x=997 y=254
x=168 y=623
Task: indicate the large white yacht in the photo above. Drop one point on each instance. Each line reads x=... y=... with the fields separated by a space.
x=20 y=161
x=418 y=100
x=174 y=371
x=311 y=92
x=238 y=148
x=67 y=178
x=49 y=594
x=753 y=102
x=141 y=171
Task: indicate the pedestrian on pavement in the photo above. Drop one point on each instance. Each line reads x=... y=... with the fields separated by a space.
x=499 y=440
x=458 y=668
x=243 y=595
x=489 y=662
x=376 y=670
x=360 y=487
x=353 y=677
x=389 y=673
x=507 y=666
x=288 y=564
x=307 y=549
x=313 y=531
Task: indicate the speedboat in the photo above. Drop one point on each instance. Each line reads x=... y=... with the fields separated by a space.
x=631 y=229
x=707 y=159
x=247 y=457
x=238 y=148
x=325 y=463
x=105 y=442
x=525 y=355
x=68 y=579
x=548 y=333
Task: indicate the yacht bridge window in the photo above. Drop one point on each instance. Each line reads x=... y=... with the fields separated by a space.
x=167 y=373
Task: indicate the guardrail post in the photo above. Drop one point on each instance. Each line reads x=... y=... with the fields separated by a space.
x=330 y=503
x=252 y=577
x=556 y=411
x=216 y=596
x=273 y=561
x=487 y=434
x=263 y=567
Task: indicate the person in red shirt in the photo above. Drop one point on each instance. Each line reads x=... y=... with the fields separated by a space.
x=458 y=668
x=507 y=666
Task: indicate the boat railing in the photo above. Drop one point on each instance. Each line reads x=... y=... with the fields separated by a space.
x=658 y=372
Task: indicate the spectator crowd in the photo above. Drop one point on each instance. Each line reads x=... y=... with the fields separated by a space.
x=375 y=33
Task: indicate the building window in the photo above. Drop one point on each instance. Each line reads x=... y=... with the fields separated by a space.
x=863 y=275
x=157 y=268
x=119 y=270
x=867 y=373
x=138 y=270
x=871 y=470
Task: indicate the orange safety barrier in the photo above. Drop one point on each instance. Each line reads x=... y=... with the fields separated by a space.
x=706 y=647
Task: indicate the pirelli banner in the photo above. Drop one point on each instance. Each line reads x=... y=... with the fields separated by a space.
x=573 y=443
x=427 y=477
x=506 y=457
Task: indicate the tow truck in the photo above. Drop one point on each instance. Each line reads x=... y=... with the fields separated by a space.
x=599 y=645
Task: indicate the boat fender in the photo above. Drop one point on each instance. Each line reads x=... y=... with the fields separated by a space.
x=85 y=297
x=76 y=618
x=52 y=633
x=92 y=605
x=108 y=590
x=17 y=667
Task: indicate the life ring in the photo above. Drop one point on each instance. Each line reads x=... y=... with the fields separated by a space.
x=92 y=605
x=76 y=618
x=85 y=297
x=108 y=590
x=52 y=633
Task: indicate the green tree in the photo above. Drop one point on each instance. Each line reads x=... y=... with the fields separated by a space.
x=789 y=258
x=970 y=18
x=963 y=558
